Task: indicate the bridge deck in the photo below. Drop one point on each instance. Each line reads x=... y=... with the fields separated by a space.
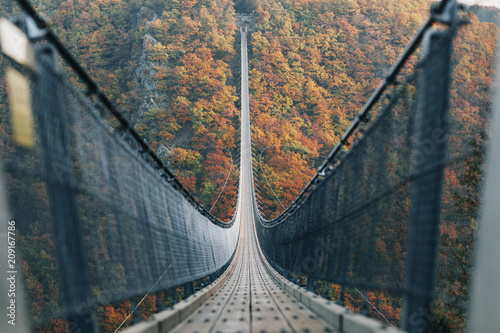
x=251 y=300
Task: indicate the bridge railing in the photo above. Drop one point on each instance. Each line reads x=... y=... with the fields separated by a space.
x=117 y=219
x=369 y=220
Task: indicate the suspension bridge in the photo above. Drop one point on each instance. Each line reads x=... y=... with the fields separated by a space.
x=125 y=227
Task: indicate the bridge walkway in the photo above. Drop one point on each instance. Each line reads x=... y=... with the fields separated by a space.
x=251 y=300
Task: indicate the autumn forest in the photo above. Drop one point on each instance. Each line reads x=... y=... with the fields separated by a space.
x=172 y=67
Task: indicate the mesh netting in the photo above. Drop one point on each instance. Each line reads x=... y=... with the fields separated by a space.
x=334 y=233
x=139 y=233
x=351 y=225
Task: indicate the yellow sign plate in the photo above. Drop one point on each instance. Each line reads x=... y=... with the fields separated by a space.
x=18 y=89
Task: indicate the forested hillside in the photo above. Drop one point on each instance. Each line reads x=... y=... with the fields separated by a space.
x=172 y=68
x=487 y=14
x=314 y=64
x=187 y=109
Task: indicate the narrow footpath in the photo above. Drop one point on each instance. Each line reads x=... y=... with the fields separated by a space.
x=251 y=300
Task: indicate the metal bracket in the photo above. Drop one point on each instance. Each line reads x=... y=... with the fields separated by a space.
x=28 y=25
x=446 y=14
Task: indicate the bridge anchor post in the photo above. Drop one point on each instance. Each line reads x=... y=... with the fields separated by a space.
x=311 y=284
x=61 y=182
x=430 y=157
x=188 y=289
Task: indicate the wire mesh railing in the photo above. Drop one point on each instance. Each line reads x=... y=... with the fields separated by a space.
x=370 y=219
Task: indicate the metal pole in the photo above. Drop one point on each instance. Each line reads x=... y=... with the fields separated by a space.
x=485 y=312
x=61 y=182
x=311 y=284
x=11 y=281
x=188 y=289
x=432 y=106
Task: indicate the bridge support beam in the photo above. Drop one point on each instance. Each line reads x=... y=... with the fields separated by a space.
x=213 y=277
x=188 y=289
x=59 y=174
x=311 y=284
x=430 y=149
